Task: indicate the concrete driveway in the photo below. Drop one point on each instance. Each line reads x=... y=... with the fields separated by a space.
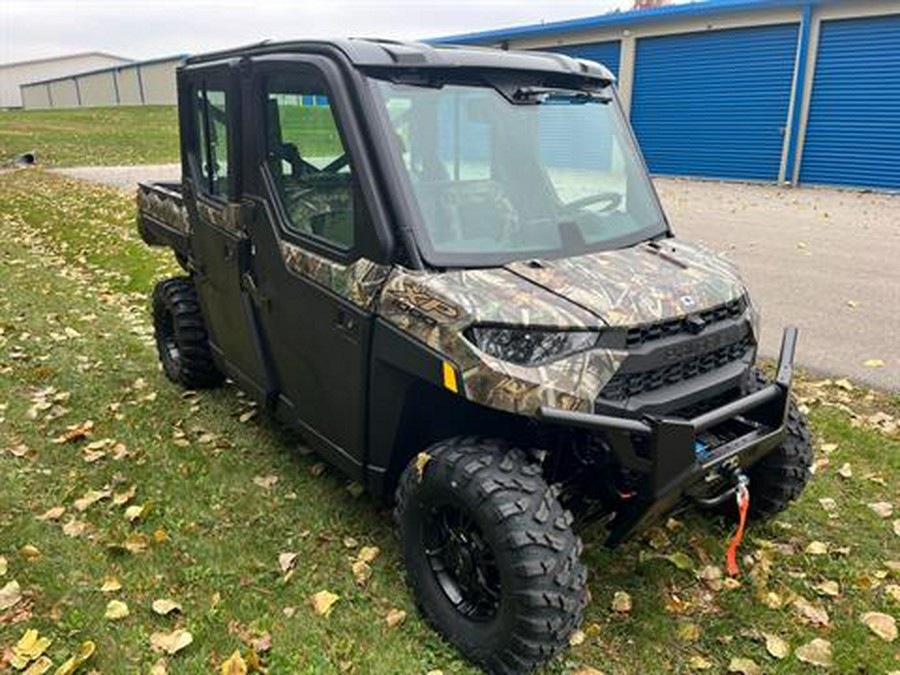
x=826 y=261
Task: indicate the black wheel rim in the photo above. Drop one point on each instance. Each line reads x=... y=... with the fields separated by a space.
x=167 y=342
x=462 y=562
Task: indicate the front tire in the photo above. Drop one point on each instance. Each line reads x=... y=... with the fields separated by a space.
x=181 y=338
x=780 y=477
x=490 y=555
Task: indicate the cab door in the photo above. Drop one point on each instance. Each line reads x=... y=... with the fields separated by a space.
x=210 y=122
x=313 y=252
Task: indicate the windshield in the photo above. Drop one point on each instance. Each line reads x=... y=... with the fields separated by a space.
x=553 y=175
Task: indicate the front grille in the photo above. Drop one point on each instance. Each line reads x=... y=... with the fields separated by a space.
x=624 y=384
x=643 y=334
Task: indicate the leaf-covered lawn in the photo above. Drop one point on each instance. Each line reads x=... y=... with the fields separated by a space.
x=92 y=136
x=172 y=530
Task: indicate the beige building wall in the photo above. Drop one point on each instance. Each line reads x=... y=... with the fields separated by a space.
x=147 y=83
x=158 y=80
x=129 y=86
x=13 y=75
x=36 y=96
x=98 y=89
x=63 y=93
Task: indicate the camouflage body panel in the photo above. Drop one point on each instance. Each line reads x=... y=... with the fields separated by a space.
x=223 y=218
x=164 y=206
x=436 y=308
x=640 y=285
x=622 y=288
x=360 y=282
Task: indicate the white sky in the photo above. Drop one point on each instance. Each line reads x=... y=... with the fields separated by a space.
x=150 y=28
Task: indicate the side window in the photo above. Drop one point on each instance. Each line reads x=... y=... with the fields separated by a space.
x=212 y=136
x=308 y=160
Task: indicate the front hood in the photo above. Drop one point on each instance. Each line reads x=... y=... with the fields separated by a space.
x=639 y=285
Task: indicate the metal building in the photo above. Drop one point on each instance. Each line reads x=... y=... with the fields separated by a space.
x=13 y=75
x=134 y=83
x=774 y=90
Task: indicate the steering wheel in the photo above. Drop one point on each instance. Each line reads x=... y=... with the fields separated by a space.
x=613 y=199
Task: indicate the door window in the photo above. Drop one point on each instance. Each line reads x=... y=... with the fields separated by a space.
x=212 y=137
x=308 y=160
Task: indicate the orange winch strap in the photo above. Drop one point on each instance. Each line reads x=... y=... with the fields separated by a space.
x=743 y=501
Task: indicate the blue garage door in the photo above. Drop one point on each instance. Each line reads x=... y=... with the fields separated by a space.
x=715 y=104
x=853 y=131
x=606 y=53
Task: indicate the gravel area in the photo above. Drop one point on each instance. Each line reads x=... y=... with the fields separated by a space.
x=123 y=176
x=826 y=261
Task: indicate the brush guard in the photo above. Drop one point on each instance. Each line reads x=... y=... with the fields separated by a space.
x=677 y=460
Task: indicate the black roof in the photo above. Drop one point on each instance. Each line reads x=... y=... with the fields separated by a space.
x=376 y=53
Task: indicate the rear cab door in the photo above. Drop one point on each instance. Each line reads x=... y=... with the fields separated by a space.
x=209 y=106
x=319 y=257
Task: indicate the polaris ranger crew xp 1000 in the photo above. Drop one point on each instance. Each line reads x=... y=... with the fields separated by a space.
x=448 y=268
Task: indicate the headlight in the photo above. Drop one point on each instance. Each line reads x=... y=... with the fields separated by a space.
x=527 y=347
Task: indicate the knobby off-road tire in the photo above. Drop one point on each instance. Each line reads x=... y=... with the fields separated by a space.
x=780 y=477
x=517 y=534
x=181 y=338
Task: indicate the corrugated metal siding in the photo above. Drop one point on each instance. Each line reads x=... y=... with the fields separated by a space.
x=853 y=131
x=715 y=104
x=606 y=53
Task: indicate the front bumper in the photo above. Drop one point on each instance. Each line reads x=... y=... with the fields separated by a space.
x=670 y=464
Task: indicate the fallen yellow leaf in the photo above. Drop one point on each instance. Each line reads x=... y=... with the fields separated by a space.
x=90 y=498
x=171 y=643
x=234 y=664
x=136 y=542
x=422 y=460
x=53 y=514
x=74 y=528
x=361 y=572
x=75 y=662
x=744 y=666
x=3 y=566
x=29 y=647
x=10 y=595
x=882 y=625
x=165 y=606
x=115 y=610
x=122 y=498
x=133 y=513
x=39 y=667
x=368 y=553
x=776 y=646
x=30 y=552
x=111 y=585
x=621 y=602
x=874 y=363
x=395 y=617
x=287 y=560
x=323 y=602
x=816 y=652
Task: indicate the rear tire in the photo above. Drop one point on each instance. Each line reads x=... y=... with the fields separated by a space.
x=781 y=476
x=490 y=555
x=181 y=338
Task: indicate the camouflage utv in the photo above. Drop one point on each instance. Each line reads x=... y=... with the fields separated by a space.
x=449 y=270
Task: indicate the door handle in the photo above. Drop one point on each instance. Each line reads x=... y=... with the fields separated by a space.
x=345 y=323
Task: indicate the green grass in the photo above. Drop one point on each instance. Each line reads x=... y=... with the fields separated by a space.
x=70 y=259
x=137 y=134
x=92 y=136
